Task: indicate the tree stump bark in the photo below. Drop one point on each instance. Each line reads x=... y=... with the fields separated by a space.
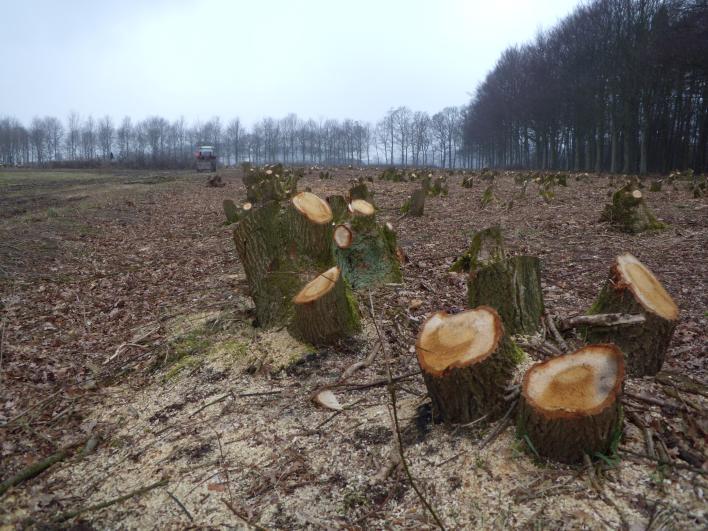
x=339 y=206
x=324 y=310
x=468 y=182
x=278 y=245
x=629 y=212
x=415 y=205
x=510 y=285
x=371 y=258
x=631 y=288
x=570 y=405
x=467 y=361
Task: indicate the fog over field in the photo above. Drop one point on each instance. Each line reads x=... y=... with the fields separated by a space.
x=203 y=58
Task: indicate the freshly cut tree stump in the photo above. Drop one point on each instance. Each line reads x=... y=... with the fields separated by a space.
x=371 y=258
x=343 y=236
x=273 y=183
x=324 y=310
x=628 y=211
x=232 y=212
x=467 y=362
x=570 y=404
x=631 y=288
x=511 y=285
x=280 y=247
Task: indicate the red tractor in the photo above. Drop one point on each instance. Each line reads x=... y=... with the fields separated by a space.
x=205 y=159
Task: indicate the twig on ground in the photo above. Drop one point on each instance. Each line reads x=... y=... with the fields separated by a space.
x=556 y=334
x=243 y=517
x=231 y=394
x=392 y=395
x=37 y=468
x=63 y=517
x=360 y=364
x=181 y=505
x=500 y=427
x=32 y=408
x=537 y=344
x=679 y=466
x=333 y=415
x=378 y=383
x=652 y=400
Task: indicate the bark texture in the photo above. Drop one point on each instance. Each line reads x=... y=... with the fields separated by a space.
x=511 y=286
x=462 y=395
x=415 y=205
x=566 y=433
x=328 y=318
x=644 y=344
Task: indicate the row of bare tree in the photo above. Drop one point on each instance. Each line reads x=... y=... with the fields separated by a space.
x=401 y=137
x=618 y=85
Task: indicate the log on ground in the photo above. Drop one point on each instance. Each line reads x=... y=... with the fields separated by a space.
x=570 y=405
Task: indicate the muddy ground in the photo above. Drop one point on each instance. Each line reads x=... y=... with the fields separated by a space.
x=126 y=322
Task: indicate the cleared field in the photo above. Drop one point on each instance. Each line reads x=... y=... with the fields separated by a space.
x=125 y=314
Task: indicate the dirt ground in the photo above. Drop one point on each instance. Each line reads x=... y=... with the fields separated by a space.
x=126 y=323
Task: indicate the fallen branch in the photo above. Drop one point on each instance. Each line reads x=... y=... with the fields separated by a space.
x=231 y=394
x=537 y=344
x=602 y=320
x=392 y=395
x=556 y=334
x=378 y=383
x=678 y=466
x=63 y=517
x=181 y=505
x=37 y=468
x=360 y=364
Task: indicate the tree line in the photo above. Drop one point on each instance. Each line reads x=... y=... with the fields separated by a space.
x=618 y=85
x=400 y=137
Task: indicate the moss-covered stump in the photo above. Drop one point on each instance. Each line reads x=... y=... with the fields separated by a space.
x=629 y=212
x=371 y=258
x=361 y=191
x=325 y=311
x=233 y=212
x=415 y=204
x=272 y=183
x=570 y=405
x=467 y=362
x=439 y=187
x=339 y=206
x=631 y=288
x=510 y=285
x=468 y=182
x=281 y=245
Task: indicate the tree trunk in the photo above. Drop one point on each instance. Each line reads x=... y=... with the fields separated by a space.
x=467 y=362
x=324 y=310
x=633 y=289
x=570 y=405
x=415 y=205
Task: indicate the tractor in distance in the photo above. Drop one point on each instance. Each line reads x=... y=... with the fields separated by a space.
x=205 y=159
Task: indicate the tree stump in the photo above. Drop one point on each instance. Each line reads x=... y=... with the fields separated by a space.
x=570 y=405
x=371 y=258
x=324 y=310
x=415 y=205
x=468 y=182
x=270 y=184
x=280 y=246
x=439 y=187
x=467 y=361
x=339 y=206
x=629 y=212
x=360 y=191
x=510 y=285
x=631 y=288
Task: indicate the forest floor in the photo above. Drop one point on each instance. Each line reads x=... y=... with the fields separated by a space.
x=125 y=322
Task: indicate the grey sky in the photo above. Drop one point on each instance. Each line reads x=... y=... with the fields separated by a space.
x=200 y=58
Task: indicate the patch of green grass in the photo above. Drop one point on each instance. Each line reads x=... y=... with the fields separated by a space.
x=186 y=352
x=187 y=362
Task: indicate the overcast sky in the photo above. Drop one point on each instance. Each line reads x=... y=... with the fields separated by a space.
x=200 y=58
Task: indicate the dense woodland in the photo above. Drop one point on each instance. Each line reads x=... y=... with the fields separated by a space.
x=618 y=85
